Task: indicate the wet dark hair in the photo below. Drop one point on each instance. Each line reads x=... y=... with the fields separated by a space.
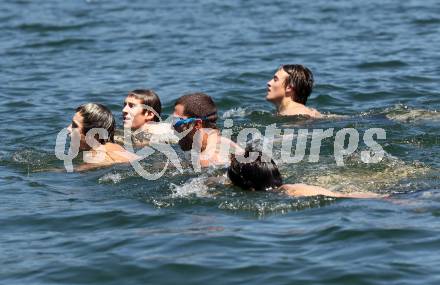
x=199 y=105
x=259 y=175
x=301 y=79
x=97 y=116
x=149 y=98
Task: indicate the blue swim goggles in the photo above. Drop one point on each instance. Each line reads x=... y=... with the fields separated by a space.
x=177 y=122
x=181 y=121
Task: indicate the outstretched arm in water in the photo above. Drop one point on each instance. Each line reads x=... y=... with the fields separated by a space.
x=303 y=190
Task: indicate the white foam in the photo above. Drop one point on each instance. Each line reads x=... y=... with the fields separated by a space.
x=234 y=112
x=355 y=179
x=403 y=113
x=111 y=178
x=195 y=186
x=334 y=116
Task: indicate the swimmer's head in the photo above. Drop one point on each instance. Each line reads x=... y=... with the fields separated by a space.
x=257 y=175
x=89 y=116
x=134 y=114
x=194 y=111
x=291 y=80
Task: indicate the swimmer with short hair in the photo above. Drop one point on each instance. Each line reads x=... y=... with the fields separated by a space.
x=262 y=175
x=289 y=90
x=196 y=114
x=134 y=115
x=105 y=152
x=141 y=116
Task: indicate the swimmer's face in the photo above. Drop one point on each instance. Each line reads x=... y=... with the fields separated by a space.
x=276 y=89
x=75 y=130
x=133 y=114
x=186 y=142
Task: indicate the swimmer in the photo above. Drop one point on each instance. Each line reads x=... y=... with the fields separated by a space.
x=196 y=114
x=289 y=89
x=260 y=175
x=105 y=152
x=141 y=116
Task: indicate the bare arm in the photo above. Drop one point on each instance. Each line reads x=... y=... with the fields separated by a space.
x=304 y=190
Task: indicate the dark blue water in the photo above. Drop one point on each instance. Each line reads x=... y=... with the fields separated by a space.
x=375 y=63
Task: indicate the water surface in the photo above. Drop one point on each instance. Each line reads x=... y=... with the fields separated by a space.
x=375 y=65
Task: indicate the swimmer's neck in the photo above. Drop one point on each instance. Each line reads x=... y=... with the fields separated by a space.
x=147 y=126
x=287 y=105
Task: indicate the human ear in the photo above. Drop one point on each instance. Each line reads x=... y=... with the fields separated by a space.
x=198 y=124
x=289 y=88
x=149 y=116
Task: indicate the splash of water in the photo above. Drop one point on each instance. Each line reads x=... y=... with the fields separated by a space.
x=194 y=187
x=234 y=112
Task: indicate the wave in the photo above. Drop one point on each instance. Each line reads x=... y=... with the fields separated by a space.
x=40 y=27
x=214 y=190
x=235 y=112
x=334 y=116
x=241 y=112
x=327 y=100
x=31 y=160
x=194 y=187
x=382 y=64
x=403 y=113
x=271 y=203
x=384 y=177
x=113 y=178
x=68 y=42
x=427 y=21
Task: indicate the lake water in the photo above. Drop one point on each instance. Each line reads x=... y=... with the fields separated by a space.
x=375 y=64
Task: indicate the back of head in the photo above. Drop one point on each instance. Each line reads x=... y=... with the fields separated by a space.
x=199 y=105
x=301 y=80
x=258 y=175
x=97 y=116
x=148 y=98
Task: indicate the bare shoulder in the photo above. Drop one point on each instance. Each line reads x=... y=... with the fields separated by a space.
x=301 y=111
x=315 y=113
x=118 y=154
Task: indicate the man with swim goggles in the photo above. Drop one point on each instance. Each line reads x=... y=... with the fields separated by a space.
x=196 y=114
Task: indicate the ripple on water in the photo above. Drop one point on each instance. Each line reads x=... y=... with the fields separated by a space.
x=325 y=100
x=384 y=177
x=111 y=178
x=210 y=191
x=194 y=187
x=48 y=27
x=386 y=64
x=235 y=112
x=405 y=114
x=112 y=226
x=63 y=43
x=272 y=203
x=427 y=22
